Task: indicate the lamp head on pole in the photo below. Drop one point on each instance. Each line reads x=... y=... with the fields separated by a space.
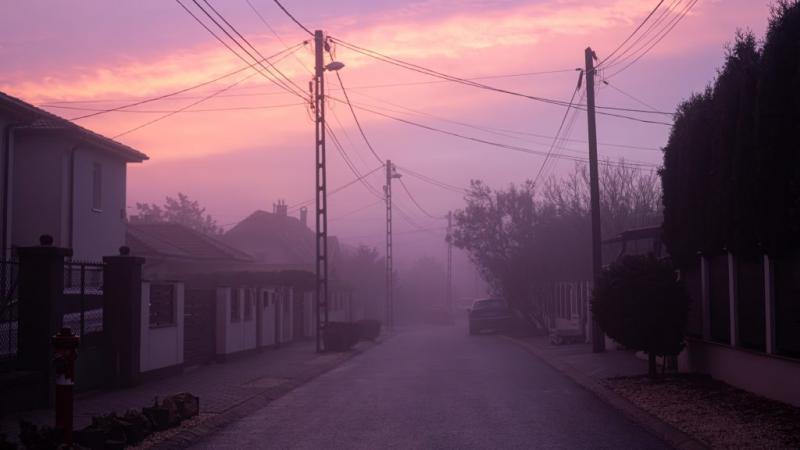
x=334 y=66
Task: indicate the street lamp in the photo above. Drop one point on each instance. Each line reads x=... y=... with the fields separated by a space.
x=334 y=66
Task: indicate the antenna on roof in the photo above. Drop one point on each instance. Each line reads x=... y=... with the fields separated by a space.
x=280 y=208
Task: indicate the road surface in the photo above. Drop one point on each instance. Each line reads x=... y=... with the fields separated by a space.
x=435 y=387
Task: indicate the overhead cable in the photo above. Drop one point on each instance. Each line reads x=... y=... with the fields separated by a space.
x=277 y=2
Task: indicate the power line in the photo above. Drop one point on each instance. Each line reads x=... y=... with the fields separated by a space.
x=346 y=134
x=416 y=203
x=655 y=41
x=256 y=94
x=278 y=81
x=560 y=144
x=337 y=189
x=560 y=127
x=171 y=113
x=246 y=41
x=407 y=217
x=431 y=72
x=636 y=30
x=652 y=26
x=513 y=134
x=414 y=231
x=162 y=111
x=180 y=91
x=275 y=33
x=432 y=181
x=630 y=96
x=293 y=18
x=482 y=141
x=356 y=211
x=351 y=165
x=355 y=118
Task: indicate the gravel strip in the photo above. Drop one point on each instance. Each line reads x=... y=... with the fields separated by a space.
x=716 y=413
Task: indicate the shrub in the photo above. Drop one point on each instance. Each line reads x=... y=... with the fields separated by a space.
x=340 y=336
x=368 y=329
x=639 y=303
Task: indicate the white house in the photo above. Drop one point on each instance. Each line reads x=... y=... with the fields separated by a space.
x=61 y=179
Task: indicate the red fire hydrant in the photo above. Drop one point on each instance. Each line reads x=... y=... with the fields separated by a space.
x=65 y=352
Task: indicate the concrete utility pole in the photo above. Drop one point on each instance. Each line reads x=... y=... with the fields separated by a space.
x=598 y=338
x=450 y=262
x=320 y=188
x=391 y=173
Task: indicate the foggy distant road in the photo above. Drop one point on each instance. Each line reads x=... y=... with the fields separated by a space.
x=436 y=387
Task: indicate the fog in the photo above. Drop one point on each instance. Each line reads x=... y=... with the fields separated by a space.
x=399 y=224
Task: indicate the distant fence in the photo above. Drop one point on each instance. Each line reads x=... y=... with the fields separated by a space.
x=9 y=310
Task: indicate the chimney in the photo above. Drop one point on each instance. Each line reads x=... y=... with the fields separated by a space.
x=304 y=216
x=280 y=208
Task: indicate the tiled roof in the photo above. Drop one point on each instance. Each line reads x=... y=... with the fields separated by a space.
x=48 y=121
x=273 y=239
x=178 y=241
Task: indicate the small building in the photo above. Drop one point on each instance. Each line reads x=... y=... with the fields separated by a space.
x=174 y=251
x=276 y=239
x=61 y=179
x=636 y=241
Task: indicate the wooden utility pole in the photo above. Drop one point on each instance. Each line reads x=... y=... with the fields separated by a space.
x=598 y=338
x=320 y=189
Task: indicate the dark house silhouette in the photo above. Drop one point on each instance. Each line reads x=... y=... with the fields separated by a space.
x=173 y=251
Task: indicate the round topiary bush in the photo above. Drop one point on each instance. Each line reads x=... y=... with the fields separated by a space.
x=640 y=303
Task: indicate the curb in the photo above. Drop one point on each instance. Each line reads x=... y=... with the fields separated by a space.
x=196 y=433
x=666 y=432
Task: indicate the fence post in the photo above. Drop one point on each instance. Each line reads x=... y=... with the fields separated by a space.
x=705 y=301
x=41 y=287
x=122 y=305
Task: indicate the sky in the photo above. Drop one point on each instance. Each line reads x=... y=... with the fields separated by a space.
x=253 y=144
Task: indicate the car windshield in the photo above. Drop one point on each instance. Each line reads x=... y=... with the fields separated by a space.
x=492 y=303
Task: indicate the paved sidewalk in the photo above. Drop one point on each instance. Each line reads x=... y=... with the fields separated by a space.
x=227 y=391
x=590 y=369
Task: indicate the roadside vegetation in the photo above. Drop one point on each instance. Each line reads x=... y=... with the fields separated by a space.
x=526 y=237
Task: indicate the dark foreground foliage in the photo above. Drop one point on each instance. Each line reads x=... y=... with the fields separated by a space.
x=640 y=304
x=731 y=175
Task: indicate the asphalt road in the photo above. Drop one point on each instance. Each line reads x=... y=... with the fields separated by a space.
x=436 y=387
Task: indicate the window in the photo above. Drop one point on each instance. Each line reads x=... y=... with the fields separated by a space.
x=97 y=187
x=248 y=304
x=235 y=306
x=162 y=305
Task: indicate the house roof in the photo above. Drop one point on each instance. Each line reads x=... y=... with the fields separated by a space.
x=273 y=238
x=173 y=240
x=34 y=118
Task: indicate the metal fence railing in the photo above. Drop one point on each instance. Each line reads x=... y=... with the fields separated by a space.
x=83 y=297
x=9 y=310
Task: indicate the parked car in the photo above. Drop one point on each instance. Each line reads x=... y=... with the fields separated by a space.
x=491 y=314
